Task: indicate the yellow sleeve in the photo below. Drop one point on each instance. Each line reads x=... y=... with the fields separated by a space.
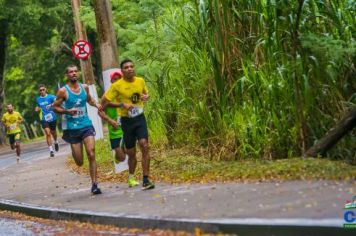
x=112 y=93
x=19 y=116
x=145 y=90
x=3 y=119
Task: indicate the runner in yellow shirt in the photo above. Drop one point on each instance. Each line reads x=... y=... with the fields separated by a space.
x=12 y=120
x=131 y=93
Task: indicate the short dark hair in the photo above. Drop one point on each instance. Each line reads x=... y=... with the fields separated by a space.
x=124 y=62
x=70 y=66
x=41 y=85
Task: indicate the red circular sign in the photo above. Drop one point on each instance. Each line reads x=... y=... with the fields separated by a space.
x=81 y=49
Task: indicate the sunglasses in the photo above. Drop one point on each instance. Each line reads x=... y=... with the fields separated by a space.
x=42 y=90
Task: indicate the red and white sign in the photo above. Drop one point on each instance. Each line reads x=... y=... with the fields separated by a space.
x=81 y=49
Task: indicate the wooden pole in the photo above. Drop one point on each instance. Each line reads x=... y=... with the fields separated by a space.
x=87 y=70
x=107 y=39
x=85 y=65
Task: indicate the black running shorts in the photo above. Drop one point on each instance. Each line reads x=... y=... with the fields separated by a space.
x=134 y=129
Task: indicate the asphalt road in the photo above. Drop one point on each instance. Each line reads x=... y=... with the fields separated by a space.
x=47 y=183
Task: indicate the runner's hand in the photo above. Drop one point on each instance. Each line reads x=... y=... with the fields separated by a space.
x=99 y=106
x=72 y=111
x=145 y=97
x=128 y=106
x=114 y=124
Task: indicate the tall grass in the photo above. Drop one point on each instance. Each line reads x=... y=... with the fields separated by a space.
x=257 y=79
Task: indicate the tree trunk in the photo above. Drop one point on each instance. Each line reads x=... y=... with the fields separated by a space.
x=87 y=70
x=346 y=124
x=107 y=39
x=86 y=65
x=3 y=37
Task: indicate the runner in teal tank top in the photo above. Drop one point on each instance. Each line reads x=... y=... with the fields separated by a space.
x=78 y=128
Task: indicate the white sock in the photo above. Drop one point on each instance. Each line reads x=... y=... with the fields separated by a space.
x=50 y=148
x=55 y=141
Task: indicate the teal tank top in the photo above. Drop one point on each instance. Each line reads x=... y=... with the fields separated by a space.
x=79 y=101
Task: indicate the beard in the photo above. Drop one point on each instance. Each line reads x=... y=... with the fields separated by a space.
x=73 y=79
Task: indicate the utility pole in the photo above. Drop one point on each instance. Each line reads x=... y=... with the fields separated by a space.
x=87 y=71
x=107 y=39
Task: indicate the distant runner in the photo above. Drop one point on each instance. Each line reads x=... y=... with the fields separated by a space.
x=48 y=118
x=12 y=120
x=131 y=93
x=78 y=128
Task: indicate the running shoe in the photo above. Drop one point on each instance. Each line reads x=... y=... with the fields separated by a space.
x=51 y=153
x=56 y=147
x=95 y=189
x=132 y=182
x=148 y=185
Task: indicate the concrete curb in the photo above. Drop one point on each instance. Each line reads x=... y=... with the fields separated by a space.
x=251 y=226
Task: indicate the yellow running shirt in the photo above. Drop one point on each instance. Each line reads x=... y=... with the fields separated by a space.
x=11 y=122
x=127 y=92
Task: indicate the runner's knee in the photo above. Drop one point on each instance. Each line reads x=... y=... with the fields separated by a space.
x=91 y=154
x=119 y=155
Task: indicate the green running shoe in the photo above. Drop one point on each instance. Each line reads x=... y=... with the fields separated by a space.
x=132 y=182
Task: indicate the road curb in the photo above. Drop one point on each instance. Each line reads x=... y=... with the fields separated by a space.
x=251 y=226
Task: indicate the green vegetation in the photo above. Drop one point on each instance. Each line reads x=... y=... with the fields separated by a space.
x=182 y=166
x=241 y=80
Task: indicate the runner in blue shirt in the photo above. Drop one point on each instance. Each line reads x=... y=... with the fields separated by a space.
x=48 y=117
x=78 y=129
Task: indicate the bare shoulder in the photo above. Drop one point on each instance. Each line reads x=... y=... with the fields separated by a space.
x=61 y=93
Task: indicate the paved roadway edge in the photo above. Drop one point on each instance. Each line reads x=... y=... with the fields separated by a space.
x=243 y=226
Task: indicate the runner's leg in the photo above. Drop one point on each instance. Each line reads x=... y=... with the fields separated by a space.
x=48 y=136
x=77 y=153
x=18 y=150
x=54 y=135
x=89 y=143
x=145 y=156
x=47 y=132
x=119 y=154
x=132 y=162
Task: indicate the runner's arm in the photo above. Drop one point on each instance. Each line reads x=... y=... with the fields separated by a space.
x=107 y=103
x=4 y=122
x=105 y=117
x=57 y=105
x=20 y=120
x=145 y=95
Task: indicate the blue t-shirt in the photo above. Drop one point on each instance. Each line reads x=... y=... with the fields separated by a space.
x=45 y=104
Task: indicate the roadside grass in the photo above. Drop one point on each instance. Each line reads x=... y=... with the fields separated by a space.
x=180 y=166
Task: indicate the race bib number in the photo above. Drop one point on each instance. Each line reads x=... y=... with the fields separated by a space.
x=136 y=111
x=48 y=117
x=80 y=112
x=13 y=126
